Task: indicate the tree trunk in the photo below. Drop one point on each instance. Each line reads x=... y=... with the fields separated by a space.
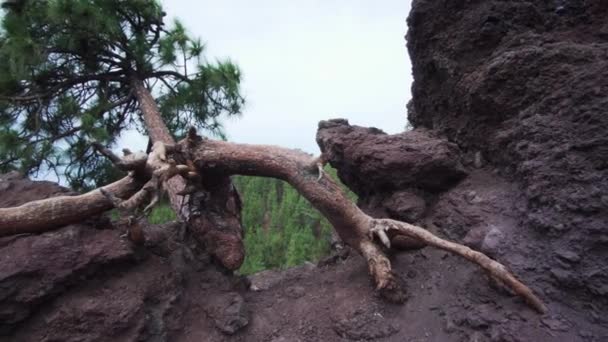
x=213 y=158
x=44 y=215
x=158 y=132
x=213 y=213
x=355 y=227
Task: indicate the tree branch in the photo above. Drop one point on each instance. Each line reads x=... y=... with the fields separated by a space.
x=301 y=170
x=354 y=226
x=44 y=215
x=171 y=73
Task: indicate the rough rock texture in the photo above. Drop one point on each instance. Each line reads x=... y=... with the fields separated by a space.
x=394 y=176
x=82 y=283
x=370 y=161
x=524 y=84
x=508 y=155
x=86 y=283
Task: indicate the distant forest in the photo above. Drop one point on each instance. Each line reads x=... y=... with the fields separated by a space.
x=281 y=228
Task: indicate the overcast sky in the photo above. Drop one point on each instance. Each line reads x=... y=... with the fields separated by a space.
x=305 y=61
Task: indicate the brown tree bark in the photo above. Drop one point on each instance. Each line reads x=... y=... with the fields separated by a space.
x=44 y=215
x=218 y=225
x=355 y=227
x=158 y=132
x=304 y=173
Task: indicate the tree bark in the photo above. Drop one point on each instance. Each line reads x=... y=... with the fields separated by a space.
x=44 y=215
x=297 y=168
x=213 y=213
x=158 y=132
x=355 y=227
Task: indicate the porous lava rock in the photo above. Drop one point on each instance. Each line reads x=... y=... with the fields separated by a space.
x=369 y=160
x=524 y=84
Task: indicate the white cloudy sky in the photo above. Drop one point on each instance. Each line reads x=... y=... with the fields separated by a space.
x=305 y=61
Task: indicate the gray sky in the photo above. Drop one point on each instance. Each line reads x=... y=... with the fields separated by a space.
x=305 y=61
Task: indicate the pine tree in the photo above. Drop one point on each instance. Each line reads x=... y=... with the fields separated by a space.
x=73 y=71
x=296 y=232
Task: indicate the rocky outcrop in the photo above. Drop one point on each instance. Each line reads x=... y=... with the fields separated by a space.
x=369 y=160
x=508 y=155
x=516 y=91
x=524 y=84
x=394 y=176
x=87 y=283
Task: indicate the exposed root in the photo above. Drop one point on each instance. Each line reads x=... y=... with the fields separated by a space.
x=156 y=164
x=380 y=269
x=355 y=227
x=493 y=267
x=380 y=232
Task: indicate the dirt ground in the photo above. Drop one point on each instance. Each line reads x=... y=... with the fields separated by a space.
x=83 y=283
x=508 y=155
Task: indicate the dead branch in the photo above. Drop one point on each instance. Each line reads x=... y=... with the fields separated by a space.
x=52 y=213
x=354 y=226
x=496 y=269
x=210 y=157
x=130 y=161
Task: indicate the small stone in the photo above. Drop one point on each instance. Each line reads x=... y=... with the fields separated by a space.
x=295 y=291
x=478 y=161
x=475 y=236
x=564 y=278
x=569 y=256
x=492 y=241
x=555 y=324
x=469 y=196
x=234 y=317
x=476 y=321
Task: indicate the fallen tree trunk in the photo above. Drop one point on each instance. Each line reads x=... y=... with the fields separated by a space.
x=355 y=227
x=48 y=214
x=302 y=171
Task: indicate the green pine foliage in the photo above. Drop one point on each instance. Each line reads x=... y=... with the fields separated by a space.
x=161 y=214
x=67 y=70
x=282 y=229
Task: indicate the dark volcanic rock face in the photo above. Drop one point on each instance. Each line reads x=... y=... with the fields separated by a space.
x=369 y=160
x=525 y=83
x=87 y=283
x=516 y=92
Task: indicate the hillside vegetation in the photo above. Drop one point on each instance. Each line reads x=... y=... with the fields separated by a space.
x=282 y=229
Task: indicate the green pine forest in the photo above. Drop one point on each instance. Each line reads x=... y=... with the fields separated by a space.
x=282 y=229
